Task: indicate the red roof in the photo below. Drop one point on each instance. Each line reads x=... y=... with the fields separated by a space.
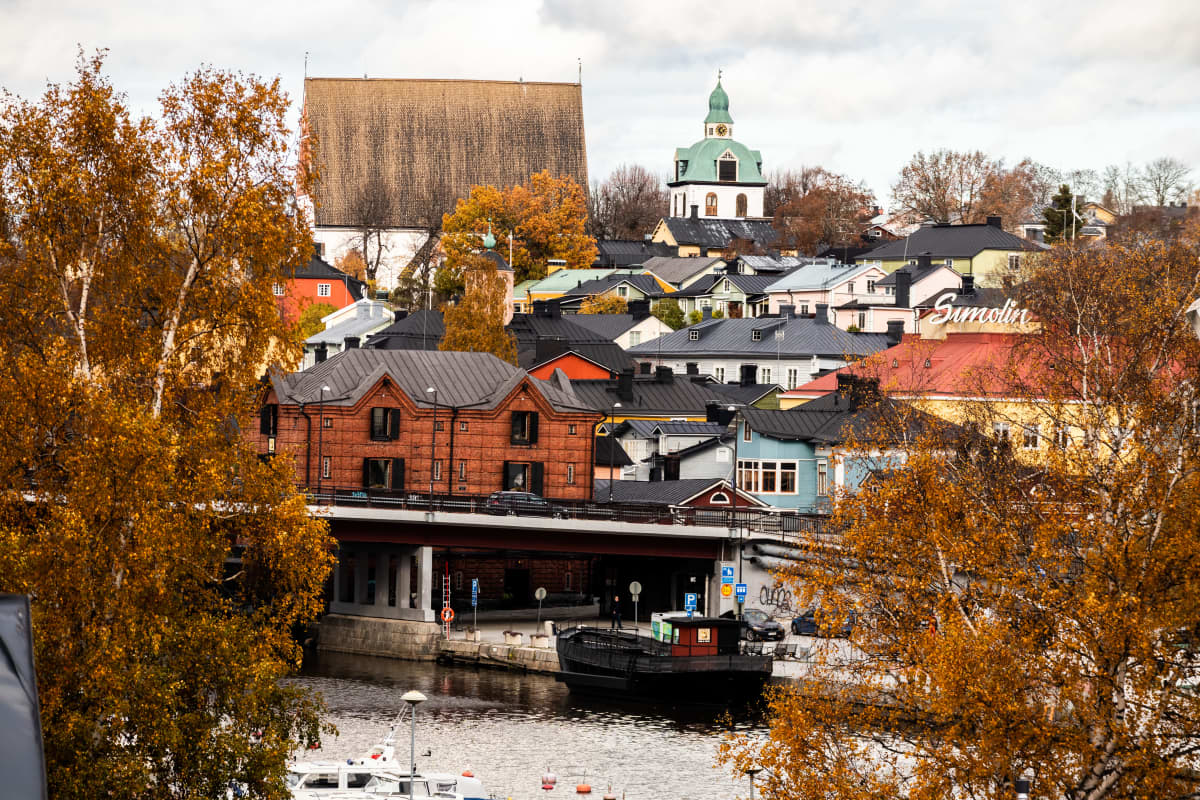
x=961 y=365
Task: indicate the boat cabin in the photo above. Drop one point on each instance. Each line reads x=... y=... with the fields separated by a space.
x=696 y=636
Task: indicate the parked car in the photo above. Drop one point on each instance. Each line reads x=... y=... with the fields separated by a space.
x=761 y=626
x=815 y=622
x=526 y=504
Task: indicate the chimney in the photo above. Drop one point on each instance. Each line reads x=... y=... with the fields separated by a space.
x=895 y=332
x=363 y=309
x=718 y=412
x=663 y=374
x=695 y=211
x=321 y=352
x=539 y=308
x=400 y=314
x=625 y=385
x=706 y=313
x=968 y=285
x=749 y=375
x=857 y=390
x=821 y=317
x=924 y=260
x=693 y=368
x=548 y=347
x=904 y=287
x=351 y=343
x=644 y=368
x=552 y=309
x=787 y=311
x=639 y=309
x=994 y=222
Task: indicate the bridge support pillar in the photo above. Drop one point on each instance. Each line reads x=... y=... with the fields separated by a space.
x=425 y=582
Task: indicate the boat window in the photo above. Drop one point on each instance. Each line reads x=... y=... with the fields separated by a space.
x=311 y=780
x=446 y=787
x=357 y=780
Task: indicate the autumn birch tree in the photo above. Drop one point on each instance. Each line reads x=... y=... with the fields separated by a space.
x=1027 y=605
x=167 y=564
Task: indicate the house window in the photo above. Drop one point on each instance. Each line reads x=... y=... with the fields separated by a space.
x=693 y=336
x=764 y=375
x=719 y=499
x=570 y=473
x=268 y=420
x=439 y=425
x=378 y=473
x=277 y=289
x=822 y=479
x=1014 y=261
x=327 y=422
x=1062 y=436
x=862 y=320
x=524 y=427
x=635 y=338
x=719 y=374
x=767 y=477
x=463 y=426
x=850 y=287
x=727 y=168
x=570 y=430
x=747 y=434
x=385 y=424
x=517 y=308
x=523 y=477
x=792 y=376
x=756 y=336
x=462 y=470
x=622 y=291
x=1000 y=431
x=323 y=289
x=321 y=249
x=710 y=204
x=1029 y=438
x=742 y=203
x=327 y=467
x=437 y=469
x=870 y=287
x=804 y=310
x=787 y=478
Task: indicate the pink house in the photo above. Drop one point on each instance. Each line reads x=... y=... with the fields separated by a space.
x=830 y=284
x=905 y=294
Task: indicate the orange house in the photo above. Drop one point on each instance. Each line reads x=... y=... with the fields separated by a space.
x=317 y=282
x=575 y=366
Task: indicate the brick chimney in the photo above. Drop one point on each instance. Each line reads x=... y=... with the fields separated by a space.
x=903 y=287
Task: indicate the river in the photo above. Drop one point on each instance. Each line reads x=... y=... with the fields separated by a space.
x=508 y=728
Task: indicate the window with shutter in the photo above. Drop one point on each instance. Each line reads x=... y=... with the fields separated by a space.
x=385 y=424
x=377 y=473
x=268 y=420
x=524 y=427
x=398 y=474
x=536 y=478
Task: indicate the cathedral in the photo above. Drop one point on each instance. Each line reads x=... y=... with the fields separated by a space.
x=717 y=176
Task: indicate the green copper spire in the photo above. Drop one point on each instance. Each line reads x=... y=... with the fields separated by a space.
x=489 y=241
x=718 y=106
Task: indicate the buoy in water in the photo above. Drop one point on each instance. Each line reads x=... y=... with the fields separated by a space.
x=609 y=794
x=468 y=774
x=548 y=780
x=583 y=788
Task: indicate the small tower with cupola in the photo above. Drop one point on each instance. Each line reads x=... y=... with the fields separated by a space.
x=717 y=177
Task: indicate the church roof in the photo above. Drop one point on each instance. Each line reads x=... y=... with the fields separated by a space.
x=432 y=140
x=702 y=158
x=718 y=106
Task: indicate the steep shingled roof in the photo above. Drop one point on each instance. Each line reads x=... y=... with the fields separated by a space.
x=950 y=241
x=437 y=139
x=463 y=380
x=710 y=232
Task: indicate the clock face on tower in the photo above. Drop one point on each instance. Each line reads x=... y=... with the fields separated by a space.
x=722 y=130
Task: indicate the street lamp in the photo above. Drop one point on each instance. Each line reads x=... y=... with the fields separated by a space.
x=432 y=443
x=1023 y=785
x=752 y=771
x=733 y=508
x=320 y=438
x=612 y=423
x=413 y=698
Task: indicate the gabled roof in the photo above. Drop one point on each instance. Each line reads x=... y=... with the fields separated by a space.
x=528 y=328
x=831 y=419
x=610 y=453
x=607 y=355
x=710 y=232
x=432 y=140
x=420 y=330
x=817 y=277
x=703 y=286
x=463 y=380
x=688 y=428
x=676 y=270
x=802 y=337
x=640 y=428
x=702 y=159
x=627 y=252
x=369 y=316
x=651 y=397
x=561 y=280
x=750 y=284
x=318 y=269
x=748 y=394
x=950 y=241
x=646 y=284
x=771 y=263
x=666 y=493
x=610 y=326
x=918 y=273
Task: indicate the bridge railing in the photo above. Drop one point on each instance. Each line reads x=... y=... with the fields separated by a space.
x=780 y=522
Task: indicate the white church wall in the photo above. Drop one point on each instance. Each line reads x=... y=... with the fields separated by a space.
x=399 y=247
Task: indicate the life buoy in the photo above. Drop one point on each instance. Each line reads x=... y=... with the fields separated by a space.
x=447 y=614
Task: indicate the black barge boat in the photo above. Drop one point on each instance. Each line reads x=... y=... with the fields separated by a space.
x=698 y=658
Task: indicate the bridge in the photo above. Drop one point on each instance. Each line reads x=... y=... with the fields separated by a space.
x=386 y=543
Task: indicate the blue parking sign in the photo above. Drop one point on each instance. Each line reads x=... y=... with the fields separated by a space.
x=726 y=574
x=689 y=601
x=740 y=591
x=474 y=592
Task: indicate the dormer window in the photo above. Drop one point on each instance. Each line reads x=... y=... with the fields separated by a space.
x=681 y=168
x=727 y=167
x=693 y=336
x=756 y=336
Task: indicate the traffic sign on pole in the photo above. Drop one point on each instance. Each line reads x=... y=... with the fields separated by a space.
x=740 y=590
x=726 y=572
x=689 y=601
x=726 y=590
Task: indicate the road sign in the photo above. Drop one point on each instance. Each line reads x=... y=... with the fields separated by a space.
x=726 y=590
x=689 y=601
x=740 y=591
x=474 y=592
x=635 y=588
x=540 y=593
x=726 y=572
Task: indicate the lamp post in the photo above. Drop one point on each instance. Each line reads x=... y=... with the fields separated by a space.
x=413 y=698
x=432 y=443
x=752 y=771
x=612 y=423
x=733 y=507
x=321 y=438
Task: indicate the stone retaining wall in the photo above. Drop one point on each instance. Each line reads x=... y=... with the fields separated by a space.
x=494 y=654
x=374 y=636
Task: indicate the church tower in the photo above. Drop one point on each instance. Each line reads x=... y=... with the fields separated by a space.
x=717 y=176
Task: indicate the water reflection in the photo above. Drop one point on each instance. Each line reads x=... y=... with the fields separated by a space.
x=508 y=728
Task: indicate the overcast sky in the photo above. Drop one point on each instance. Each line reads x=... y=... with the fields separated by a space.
x=856 y=87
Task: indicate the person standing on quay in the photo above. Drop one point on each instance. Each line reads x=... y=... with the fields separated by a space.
x=616 y=612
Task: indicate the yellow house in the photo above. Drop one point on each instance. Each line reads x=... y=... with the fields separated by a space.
x=986 y=252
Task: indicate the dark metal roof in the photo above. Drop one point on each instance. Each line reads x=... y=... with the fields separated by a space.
x=651 y=396
x=676 y=270
x=607 y=354
x=628 y=252
x=749 y=394
x=463 y=380
x=689 y=428
x=708 y=232
x=918 y=273
x=950 y=241
x=802 y=337
x=420 y=330
x=643 y=283
x=610 y=453
x=665 y=493
x=832 y=418
x=702 y=286
x=318 y=268
x=610 y=326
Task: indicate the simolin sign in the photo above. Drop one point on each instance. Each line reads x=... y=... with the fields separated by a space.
x=944 y=312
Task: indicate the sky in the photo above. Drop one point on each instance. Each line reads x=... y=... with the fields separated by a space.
x=856 y=87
